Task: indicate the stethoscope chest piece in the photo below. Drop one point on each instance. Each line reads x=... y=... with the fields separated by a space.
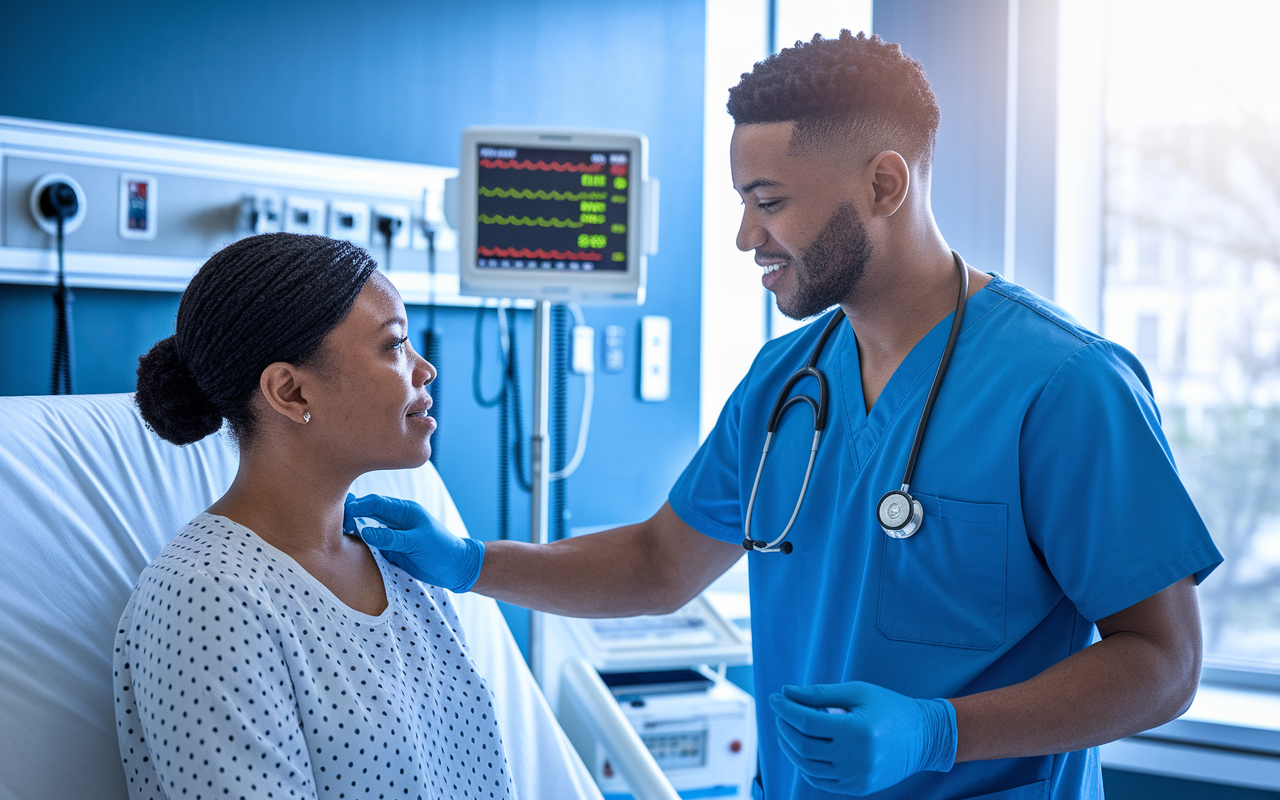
x=899 y=514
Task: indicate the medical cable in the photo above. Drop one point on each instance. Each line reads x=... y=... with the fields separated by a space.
x=498 y=400
x=477 y=346
x=477 y=390
x=516 y=409
x=508 y=401
x=558 y=419
x=61 y=205
x=588 y=400
x=388 y=227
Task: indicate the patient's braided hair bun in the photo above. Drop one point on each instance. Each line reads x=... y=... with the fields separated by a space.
x=263 y=299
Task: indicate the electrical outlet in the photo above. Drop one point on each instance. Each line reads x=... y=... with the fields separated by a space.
x=655 y=358
x=265 y=209
x=304 y=215
x=394 y=218
x=350 y=221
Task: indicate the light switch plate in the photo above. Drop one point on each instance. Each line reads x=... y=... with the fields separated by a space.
x=584 y=349
x=655 y=358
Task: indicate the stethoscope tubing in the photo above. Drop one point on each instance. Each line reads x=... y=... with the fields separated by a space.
x=780 y=407
x=773 y=547
x=942 y=370
x=819 y=408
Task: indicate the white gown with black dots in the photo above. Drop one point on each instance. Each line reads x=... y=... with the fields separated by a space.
x=238 y=674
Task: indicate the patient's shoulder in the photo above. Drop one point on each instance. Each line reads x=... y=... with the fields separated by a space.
x=211 y=562
x=213 y=546
x=215 y=554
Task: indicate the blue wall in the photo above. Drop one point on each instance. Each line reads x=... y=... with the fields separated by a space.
x=392 y=80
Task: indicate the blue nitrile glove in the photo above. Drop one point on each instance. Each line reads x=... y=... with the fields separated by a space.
x=858 y=738
x=415 y=541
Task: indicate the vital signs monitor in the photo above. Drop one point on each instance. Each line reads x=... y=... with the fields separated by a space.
x=555 y=214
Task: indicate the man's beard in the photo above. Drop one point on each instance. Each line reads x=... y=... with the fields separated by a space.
x=828 y=269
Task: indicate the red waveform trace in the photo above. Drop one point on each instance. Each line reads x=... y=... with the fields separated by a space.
x=524 y=252
x=554 y=166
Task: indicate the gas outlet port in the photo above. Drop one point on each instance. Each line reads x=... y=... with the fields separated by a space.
x=138 y=199
x=350 y=221
x=260 y=212
x=393 y=220
x=304 y=215
x=55 y=192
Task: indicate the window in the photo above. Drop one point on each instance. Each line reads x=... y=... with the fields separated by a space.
x=737 y=314
x=1191 y=276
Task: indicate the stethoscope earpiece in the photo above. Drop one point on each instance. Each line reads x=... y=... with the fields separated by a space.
x=899 y=514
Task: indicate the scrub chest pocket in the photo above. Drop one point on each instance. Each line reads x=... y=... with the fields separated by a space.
x=947 y=584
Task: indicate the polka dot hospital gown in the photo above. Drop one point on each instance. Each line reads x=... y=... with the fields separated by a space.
x=238 y=674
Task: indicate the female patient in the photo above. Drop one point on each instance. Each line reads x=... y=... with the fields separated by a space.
x=264 y=653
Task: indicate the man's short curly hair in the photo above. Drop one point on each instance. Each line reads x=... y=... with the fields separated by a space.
x=849 y=90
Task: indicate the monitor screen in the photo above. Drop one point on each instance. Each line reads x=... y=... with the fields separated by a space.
x=552 y=214
x=541 y=208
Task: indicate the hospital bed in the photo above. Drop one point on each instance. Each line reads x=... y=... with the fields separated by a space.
x=88 y=496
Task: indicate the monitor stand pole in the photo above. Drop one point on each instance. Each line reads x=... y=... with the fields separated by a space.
x=540 y=472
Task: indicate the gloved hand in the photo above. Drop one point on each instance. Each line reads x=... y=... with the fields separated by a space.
x=858 y=738
x=415 y=541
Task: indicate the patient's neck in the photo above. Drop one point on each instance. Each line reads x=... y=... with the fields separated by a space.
x=295 y=505
x=287 y=504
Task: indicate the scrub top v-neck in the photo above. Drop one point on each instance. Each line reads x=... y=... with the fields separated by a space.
x=1042 y=475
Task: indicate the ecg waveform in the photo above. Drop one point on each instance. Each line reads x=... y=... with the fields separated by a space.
x=524 y=252
x=542 y=194
x=541 y=222
x=544 y=166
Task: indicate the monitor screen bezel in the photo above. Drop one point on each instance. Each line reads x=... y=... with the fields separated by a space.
x=622 y=287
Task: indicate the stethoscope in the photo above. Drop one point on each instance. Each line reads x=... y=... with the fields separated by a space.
x=900 y=515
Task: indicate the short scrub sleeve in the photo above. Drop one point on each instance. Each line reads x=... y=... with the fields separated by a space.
x=1101 y=496
x=707 y=494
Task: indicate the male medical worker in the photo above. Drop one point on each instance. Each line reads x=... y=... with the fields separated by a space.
x=956 y=662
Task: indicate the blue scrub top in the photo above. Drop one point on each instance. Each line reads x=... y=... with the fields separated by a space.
x=1050 y=496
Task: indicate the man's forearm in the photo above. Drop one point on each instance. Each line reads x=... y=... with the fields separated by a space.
x=652 y=567
x=1128 y=682
x=589 y=576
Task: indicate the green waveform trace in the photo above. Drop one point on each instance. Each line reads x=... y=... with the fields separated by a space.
x=541 y=194
x=488 y=219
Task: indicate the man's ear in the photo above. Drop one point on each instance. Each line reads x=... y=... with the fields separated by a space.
x=890 y=181
x=281 y=385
